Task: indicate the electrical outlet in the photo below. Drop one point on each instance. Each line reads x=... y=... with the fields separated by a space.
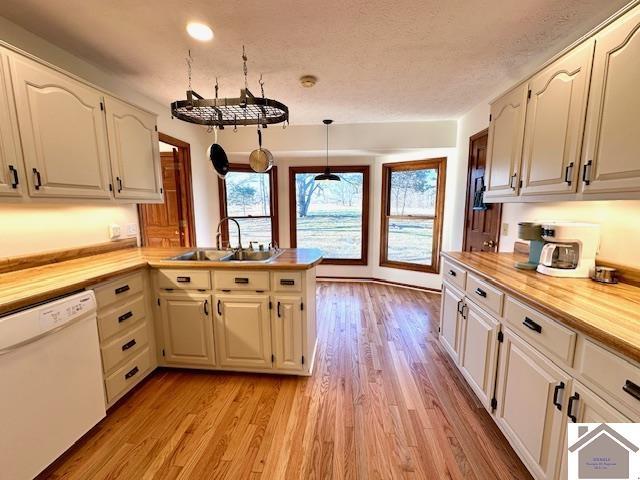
x=114 y=231
x=505 y=229
x=132 y=229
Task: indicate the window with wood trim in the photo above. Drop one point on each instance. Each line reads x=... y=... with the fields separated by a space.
x=252 y=199
x=331 y=216
x=412 y=206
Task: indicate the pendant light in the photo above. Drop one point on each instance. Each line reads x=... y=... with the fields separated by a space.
x=327 y=175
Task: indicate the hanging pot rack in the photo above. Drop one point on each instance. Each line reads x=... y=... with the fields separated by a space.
x=247 y=109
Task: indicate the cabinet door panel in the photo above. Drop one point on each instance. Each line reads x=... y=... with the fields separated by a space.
x=504 y=150
x=450 y=320
x=554 y=124
x=612 y=138
x=134 y=148
x=63 y=133
x=287 y=333
x=11 y=170
x=525 y=411
x=243 y=331
x=478 y=351
x=188 y=329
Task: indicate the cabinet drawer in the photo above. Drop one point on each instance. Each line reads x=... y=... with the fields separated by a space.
x=484 y=294
x=127 y=375
x=241 y=280
x=184 y=279
x=120 y=317
x=287 y=281
x=611 y=373
x=120 y=289
x=124 y=347
x=454 y=274
x=541 y=331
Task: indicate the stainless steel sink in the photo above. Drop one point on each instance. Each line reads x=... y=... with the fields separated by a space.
x=212 y=255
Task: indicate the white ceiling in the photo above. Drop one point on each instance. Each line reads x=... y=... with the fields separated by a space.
x=376 y=61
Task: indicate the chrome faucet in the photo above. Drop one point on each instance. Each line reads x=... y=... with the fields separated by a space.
x=219 y=232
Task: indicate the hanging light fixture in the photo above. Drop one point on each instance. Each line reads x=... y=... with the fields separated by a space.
x=327 y=175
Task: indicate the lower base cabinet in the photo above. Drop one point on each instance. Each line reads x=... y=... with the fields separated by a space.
x=243 y=330
x=531 y=394
x=187 y=324
x=450 y=319
x=286 y=329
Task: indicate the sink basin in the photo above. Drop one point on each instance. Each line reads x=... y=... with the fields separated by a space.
x=212 y=255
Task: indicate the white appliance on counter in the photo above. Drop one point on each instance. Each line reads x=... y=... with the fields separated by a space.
x=570 y=250
x=51 y=383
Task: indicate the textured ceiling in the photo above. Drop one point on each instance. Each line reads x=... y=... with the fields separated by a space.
x=376 y=61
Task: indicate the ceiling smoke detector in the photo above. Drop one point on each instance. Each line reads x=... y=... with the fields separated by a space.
x=308 y=81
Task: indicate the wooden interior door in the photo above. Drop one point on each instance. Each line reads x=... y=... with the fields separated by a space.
x=482 y=221
x=171 y=224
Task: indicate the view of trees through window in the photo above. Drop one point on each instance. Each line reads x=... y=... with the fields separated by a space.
x=248 y=200
x=329 y=215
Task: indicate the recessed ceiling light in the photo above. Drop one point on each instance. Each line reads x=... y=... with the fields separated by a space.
x=200 y=31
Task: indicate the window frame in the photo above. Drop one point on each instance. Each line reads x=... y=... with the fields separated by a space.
x=364 y=246
x=387 y=169
x=273 y=197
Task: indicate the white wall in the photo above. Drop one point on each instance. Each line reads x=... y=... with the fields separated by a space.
x=91 y=221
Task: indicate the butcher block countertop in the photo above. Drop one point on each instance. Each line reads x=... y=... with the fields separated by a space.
x=607 y=313
x=25 y=287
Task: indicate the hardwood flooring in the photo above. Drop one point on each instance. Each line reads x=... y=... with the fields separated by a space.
x=384 y=402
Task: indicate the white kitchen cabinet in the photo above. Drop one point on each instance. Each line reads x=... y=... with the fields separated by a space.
x=134 y=149
x=587 y=407
x=187 y=328
x=611 y=158
x=504 y=149
x=63 y=132
x=479 y=351
x=528 y=387
x=286 y=329
x=450 y=319
x=554 y=124
x=11 y=167
x=243 y=330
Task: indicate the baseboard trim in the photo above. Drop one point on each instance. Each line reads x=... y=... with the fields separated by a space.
x=376 y=280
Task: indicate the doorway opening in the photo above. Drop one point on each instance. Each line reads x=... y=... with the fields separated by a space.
x=171 y=224
x=482 y=220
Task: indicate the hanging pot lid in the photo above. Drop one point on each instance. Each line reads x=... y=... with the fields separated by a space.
x=218 y=157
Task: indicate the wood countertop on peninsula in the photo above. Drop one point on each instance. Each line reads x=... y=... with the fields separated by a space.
x=607 y=313
x=28 y=286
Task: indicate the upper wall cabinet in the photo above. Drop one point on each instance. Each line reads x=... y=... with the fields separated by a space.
x=11 y=171
x=554 y=124
x=611 y=157
x=505 y=143
x=63 y=132
x=134 y=148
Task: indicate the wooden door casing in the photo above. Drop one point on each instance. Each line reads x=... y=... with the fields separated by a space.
x=482 y=227
x=555 y=123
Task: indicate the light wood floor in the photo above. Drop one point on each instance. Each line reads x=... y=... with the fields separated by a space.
x=384 y=402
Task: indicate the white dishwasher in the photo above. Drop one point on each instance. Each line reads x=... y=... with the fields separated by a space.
x=51 y=387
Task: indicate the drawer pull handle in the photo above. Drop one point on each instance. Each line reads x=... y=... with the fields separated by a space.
x=131 y=373
x=183 y=279
x=531 y=325
x=278 y=309
x=632 y=389
x=567 y=175
x=241 y=280
x=218 y=308
x=452 y=273
x=124 y=288
x=556 y=391
x=287 y=281
x=206 y=308
x=125 y=316
x=128 y=345
x=38 y=179
x=573 y=398
x=460 y=306
x=481 y=292
x=14 y=172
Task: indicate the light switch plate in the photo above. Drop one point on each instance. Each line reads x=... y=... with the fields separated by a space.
x=132 y=229
x=114 y=231
x=505 y=229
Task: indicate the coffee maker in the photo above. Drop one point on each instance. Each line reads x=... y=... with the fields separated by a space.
x=570 y=250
